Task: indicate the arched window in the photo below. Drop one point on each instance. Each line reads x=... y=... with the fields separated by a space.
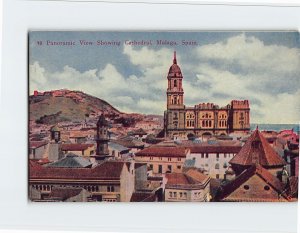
x=175 y=83
x=175 y=99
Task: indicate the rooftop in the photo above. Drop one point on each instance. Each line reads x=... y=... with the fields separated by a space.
x=142 y=197
x=263 y=173
x=37 y=144
x=257 y=150
x=75 y=146
x=192 y=178
x=163 y=152
x=71 y=161
x=108 y=170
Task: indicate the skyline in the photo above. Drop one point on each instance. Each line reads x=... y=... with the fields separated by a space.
x=221 y=67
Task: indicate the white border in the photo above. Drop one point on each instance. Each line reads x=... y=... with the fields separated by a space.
x=16 y=212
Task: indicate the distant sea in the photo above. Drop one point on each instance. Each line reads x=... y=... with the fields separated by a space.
x=275 y=127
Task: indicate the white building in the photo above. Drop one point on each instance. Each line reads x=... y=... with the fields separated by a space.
x=190 y=186
x=213 y=160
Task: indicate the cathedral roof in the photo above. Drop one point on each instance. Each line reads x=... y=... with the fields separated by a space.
x=175 y=69
x=257 y=150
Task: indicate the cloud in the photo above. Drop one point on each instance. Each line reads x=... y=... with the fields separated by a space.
x=245 y=68
x=144 y=93
x=250 y=53
x=240 y=67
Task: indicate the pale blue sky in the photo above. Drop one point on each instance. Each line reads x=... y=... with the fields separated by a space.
x=260 y=66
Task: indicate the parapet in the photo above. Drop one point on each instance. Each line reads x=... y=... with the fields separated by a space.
x=240 y=104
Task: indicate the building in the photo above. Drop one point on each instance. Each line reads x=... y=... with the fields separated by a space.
x=257 y=150
x=190 y=186
x=117 y=151
x=61 y=195
x=109 y=181
x=78 y=149
x=53 y=151
x=102 y=139
x=213 y=160
x=37 y=149
x=130 y=142
x=163 y=159
x=71 y=161
x=260 y=174
x=255 y=184
x=139 y=134
x=203 y=119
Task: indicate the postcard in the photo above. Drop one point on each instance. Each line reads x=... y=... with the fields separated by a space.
x=163 y=116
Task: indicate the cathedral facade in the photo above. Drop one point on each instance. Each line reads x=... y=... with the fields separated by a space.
x=203 y=119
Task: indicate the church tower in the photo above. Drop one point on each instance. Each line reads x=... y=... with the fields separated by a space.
x=174 y=116
x=102 y=138
x=175 y=90
x=53 y=151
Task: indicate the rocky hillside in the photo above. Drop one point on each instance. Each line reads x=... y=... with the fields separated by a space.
x=64 y=105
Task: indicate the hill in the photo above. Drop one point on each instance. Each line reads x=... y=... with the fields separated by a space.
x=64 y=105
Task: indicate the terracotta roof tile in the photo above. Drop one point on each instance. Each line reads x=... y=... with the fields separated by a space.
x=192 y=178
x=257 y=150
x=293 y=186
x=197 y=176
x=142 y=197
x=36 y=144
x=106 y=170
x=246 y=175
x=177 y=178
x=75 y=147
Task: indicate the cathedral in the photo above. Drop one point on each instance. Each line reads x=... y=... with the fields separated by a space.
x=204 y=119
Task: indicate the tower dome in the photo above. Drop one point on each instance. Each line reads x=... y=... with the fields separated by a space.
x=175 y=70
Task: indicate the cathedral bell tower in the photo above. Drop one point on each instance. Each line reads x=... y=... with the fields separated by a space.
x=175 y=90
x=174 y=116
x=102 y=138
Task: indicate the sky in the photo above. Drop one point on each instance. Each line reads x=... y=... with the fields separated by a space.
x=217 y=66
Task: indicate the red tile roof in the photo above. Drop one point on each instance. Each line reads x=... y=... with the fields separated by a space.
x=142 y=197
x=177 y=178
x=268 y=178
x=36 y=144
x=262 y=153
x=163 y=152
x=75 y=147
x=293 y=186
x=215 y=149
x=107 y=170
x=191 y=179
